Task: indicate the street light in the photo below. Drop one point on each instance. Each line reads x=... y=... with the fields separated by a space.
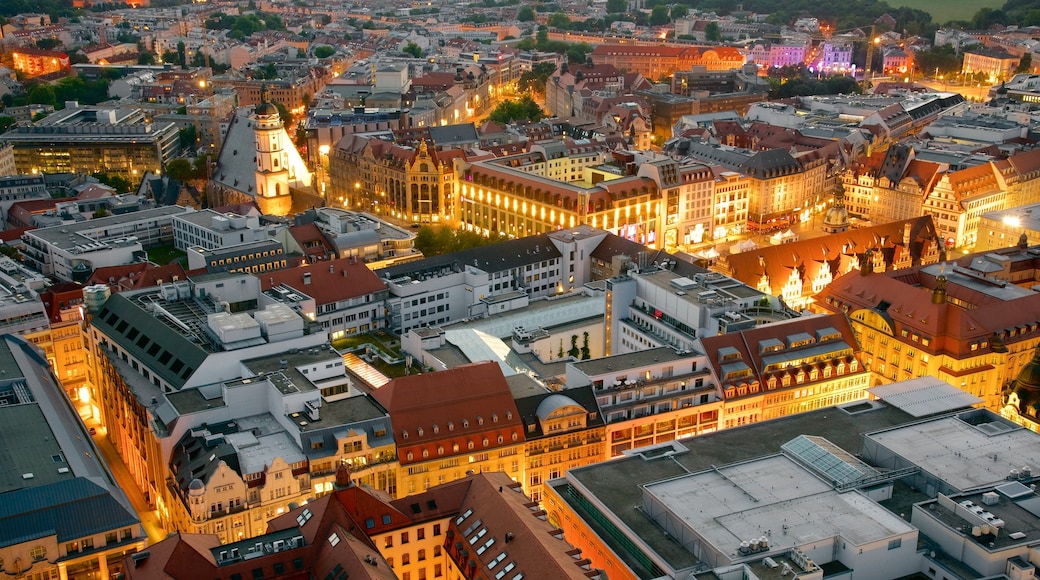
x=322 y=159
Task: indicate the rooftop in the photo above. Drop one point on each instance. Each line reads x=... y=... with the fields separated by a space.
x=616 y=485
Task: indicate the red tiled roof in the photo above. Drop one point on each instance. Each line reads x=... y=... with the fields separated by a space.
x=469 y=403
x=137 y=275
x=328 y=281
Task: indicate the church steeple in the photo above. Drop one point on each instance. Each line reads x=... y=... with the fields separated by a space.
x=939 y=292
x=272 y=159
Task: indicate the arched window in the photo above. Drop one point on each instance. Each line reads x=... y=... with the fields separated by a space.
x=425 y=453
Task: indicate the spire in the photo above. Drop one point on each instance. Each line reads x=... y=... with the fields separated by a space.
x=265 y=107
x=1023 y=241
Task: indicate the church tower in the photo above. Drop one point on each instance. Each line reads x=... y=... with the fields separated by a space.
x=272 y=161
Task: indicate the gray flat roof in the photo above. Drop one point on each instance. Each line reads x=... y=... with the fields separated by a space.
x=924 y=396
x=70 y=235
x=970 y=450
x=630 y=360
x=616 y=483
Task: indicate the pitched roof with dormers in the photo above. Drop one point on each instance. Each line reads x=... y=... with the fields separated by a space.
x=500 y=529
x=983 y=179
x=961 y=326
x=744 y=362
x=450 y=413
x=839 y=253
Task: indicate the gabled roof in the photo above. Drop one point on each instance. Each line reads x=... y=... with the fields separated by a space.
x=136 y=275
x=327 y=282
x=467 y=403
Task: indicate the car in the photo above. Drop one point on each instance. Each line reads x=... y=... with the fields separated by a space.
x=93 y=431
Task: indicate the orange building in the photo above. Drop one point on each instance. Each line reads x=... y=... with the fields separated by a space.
x=34 y=62
x=656 y=62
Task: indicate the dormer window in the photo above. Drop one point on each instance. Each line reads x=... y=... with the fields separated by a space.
x=436 y=429
x=419 y=431
x=404 y=433
x=494 y=417
x=425 y=453
x=440 y=450
x=455 y=447
x=409 y=456
x=480 y=420
x=470 y=445
x=509 y=415
x=465 y=423
x=451 y=426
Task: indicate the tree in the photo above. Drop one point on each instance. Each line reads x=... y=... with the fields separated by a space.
x=182 y=57
x=525 y=14
x=42 y=95
x=48 y=43
x=659 y=16
x=284 y=114
x=6 y=122
x=525 y=109
x=413 y=49
x=574 y=351
x=617 y=6
x=145 y=57
x=180 y=170
x=586 y=353
x=680 y=11
x=323 y=51
x=188 y=136
x=543 y=35
x=1026 y=64
x=712 y=32
x=559 y=20
x=114 y=180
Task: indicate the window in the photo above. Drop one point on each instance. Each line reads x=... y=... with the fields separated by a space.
x=894 y=544
x=436 y=529
x=404 y=537
x=406 y=559
x=420 y=534
x=38 y=553
x=388 y=542
x=422 y=555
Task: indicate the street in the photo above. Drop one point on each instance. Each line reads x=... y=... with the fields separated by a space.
x=149 y=518
x=970 y=92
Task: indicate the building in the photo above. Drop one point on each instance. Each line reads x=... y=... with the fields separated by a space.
x=258 y=163
x=959 y=198
x=453 y=422
x=785 y=368
x=995 y=63
x=562 y=431
x=962 y=323
x=88 y=139
x=211 y=230
x=706 y=506
x=33 y=62
x=343 y=295
x=650 y=396
x=798 y=270
x=660 y=62
x=72 y=251
x=1004 y=228
x=1021 y=396
x=890 y=185
x=149 y=345
x=65 y=515
x=413 y=184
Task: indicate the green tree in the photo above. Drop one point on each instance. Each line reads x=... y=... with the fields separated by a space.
x=202 y=166
x=1026 y=64
x=48 y=43
x=680 y=11
x=586 y=352
x=559 y=20
x=114 y=180
x=413 y=49
x=324 y=51
x=42 y=95
x=182 y=55
x=188 y=136
x=525 y=109
x=617 y=6
x=6 y=122
x=180 y=170
x=574 y=351
x=525 y=14
x=100 y=213
x=659 y=16
x=543 y=35
x=284 y=114
x=712 y=32
x=145 y=57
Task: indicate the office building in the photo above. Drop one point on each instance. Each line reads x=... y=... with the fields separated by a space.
x=89 y=139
